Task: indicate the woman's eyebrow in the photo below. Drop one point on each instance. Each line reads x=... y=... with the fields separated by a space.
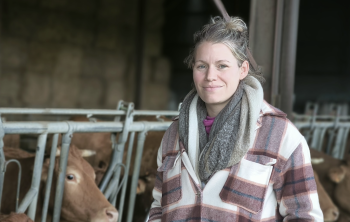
x=200 y=61
x=223 y=61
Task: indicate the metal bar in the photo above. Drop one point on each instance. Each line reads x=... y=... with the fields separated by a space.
x=80 y=127
x=88 y=112
x=19 y=179
x=301 y=125
x=333 y=133
x=127 y=164
x=27 y=200
x=315 y=142
x=119 y=107
x=118 y=150
x=128 y=120
x=298 y=117
x=61 y=111
x=154 y=113
x=135 y=176
x=108 y=175
x=330 y=141
x=117 y=158
x=38 y=164
x=122 y=140
x=49 y=177
x=66 y=140
x=114 y=160
x=342 y=147
x=277 y=54
x=113 y=189
x=337 y=143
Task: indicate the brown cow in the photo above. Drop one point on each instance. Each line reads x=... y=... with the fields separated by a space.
x=13 y=217
x=11 y=140
x=82 y=200
x=341 y=176
x=330 y=211
x=335 y=179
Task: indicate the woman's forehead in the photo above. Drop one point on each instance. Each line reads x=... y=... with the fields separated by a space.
x=208 y=51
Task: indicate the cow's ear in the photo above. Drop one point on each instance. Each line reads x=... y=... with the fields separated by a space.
x=337 y=174
x=45 y=170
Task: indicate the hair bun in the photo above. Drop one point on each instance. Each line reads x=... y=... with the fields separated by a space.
x=236 y=24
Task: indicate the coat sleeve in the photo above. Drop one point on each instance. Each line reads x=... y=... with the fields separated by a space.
x=155 y=214
x=296 y=189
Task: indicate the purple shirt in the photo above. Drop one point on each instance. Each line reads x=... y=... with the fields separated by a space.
x=208 y=122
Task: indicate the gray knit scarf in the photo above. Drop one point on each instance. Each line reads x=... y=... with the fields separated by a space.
x=218 y=147
x=231 y=132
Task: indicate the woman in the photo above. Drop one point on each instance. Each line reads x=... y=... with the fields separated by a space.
x=230 y=156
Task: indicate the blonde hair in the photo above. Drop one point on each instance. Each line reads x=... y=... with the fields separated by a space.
x=233 y=34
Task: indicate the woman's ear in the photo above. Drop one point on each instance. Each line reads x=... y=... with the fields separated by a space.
x=244 y=69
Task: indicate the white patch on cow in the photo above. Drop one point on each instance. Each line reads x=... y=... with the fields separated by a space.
x=87 y=153
x=58 y=152
x=317 y=160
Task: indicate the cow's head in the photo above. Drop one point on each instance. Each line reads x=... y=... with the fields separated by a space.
x=341 y=176
x=82 y=200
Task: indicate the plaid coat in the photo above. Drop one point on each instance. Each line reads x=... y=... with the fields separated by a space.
x=273 y=182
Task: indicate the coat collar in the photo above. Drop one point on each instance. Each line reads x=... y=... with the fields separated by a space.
x=269 y=110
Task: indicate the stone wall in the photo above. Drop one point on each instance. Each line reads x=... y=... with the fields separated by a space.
x=79 y=54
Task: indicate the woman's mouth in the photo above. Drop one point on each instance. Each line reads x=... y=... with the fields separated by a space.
x=211 y=88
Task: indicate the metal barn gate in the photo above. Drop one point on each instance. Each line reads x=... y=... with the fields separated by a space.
x=326 y=127
x=110 y=184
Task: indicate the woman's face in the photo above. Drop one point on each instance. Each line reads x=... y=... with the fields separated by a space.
x=216 y=74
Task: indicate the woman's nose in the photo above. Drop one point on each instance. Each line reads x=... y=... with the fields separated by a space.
x=211 y=74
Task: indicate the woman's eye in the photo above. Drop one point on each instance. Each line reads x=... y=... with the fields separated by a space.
x=222 y=66
x=201 y=67
x=70 y=177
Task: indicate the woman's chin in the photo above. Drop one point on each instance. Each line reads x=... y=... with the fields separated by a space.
x=215 y=101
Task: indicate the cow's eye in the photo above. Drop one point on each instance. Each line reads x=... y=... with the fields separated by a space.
x=70 y=177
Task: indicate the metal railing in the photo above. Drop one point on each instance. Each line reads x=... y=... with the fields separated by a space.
x=110 y=184
x=314 y=127
x=328 y=133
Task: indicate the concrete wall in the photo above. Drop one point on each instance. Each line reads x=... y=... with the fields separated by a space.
x=79 y=54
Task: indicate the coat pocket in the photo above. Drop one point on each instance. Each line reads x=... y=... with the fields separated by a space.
x=246 y=187
x=171 y=187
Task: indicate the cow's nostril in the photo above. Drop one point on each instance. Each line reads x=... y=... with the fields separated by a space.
x=335 y=214
x=102 y=165
x=112 y=215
